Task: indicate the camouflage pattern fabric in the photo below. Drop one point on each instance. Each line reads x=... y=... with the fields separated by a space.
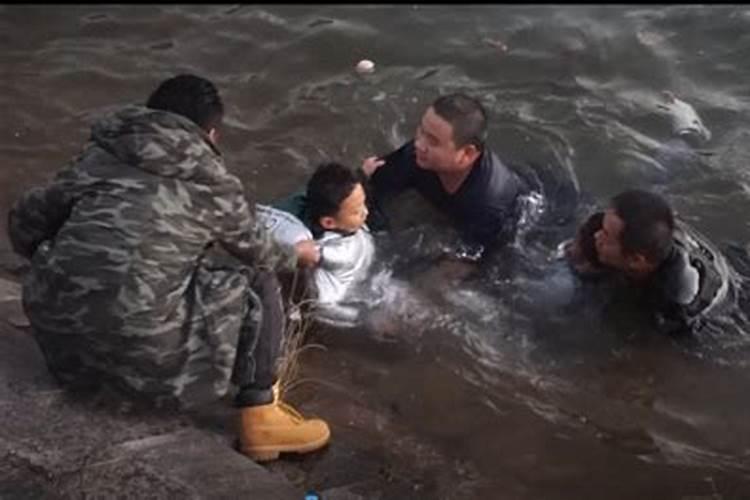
x=143 y=250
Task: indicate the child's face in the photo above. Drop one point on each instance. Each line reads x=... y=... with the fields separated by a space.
x=352 y=212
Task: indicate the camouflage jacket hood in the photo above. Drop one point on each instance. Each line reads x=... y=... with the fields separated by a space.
x=144 y=138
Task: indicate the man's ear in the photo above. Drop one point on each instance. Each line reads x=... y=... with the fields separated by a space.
x=468 y=154
x=327 y=222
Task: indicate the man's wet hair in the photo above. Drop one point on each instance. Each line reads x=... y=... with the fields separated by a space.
x=466 y=115
x=190 y=96
x=330 y=184
x=649 y=224
x=586 y=237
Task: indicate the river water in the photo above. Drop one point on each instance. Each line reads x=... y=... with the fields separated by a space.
x=554 y=407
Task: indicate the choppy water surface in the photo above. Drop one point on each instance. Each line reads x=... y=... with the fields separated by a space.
x=552 y=407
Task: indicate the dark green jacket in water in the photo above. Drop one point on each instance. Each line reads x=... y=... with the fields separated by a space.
x=127 y=279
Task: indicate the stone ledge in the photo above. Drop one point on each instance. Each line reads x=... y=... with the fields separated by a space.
x=52 y=446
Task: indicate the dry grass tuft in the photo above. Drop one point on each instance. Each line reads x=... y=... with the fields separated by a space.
x=299 y=322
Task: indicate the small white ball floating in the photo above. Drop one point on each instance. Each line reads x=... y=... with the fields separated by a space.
x=365 y=66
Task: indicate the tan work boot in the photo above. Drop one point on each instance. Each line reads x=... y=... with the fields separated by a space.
x=268 y=430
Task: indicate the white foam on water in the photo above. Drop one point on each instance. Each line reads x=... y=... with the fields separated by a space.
x=681 y=453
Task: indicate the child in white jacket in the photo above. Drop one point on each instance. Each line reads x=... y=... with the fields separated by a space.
x=333 y=212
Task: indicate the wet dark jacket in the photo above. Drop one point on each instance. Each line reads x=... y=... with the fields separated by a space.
x=686 y=285
x=690 y=281
x=484 y=208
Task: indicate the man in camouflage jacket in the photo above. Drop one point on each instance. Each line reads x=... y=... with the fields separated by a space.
x=148 y=269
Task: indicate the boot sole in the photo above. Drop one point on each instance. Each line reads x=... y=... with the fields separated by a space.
x=268 y=453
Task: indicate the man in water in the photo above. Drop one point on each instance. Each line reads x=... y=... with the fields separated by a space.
x=674 y=158
x=649 y=257
x=149 y=272
x=449 y=163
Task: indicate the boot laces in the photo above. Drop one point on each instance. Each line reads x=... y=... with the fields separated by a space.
x=294 y=414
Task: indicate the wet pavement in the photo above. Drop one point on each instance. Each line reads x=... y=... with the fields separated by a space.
x=61 y=445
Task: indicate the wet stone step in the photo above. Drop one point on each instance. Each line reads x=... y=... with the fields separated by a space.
x=54 y=446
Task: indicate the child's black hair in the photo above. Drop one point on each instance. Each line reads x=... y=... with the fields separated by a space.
x=330 y=185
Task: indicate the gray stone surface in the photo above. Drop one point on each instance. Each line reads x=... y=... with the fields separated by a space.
x=341 y=493
x=9 y=290
x=53 y=445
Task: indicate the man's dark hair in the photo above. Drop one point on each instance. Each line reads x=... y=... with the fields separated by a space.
x=331 y=184
x=649 y=224
x=467 y=117
x=191 y=96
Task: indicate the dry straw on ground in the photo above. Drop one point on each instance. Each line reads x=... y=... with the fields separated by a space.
x=299 y=323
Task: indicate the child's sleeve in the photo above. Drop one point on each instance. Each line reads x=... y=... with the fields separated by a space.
x=334 y=256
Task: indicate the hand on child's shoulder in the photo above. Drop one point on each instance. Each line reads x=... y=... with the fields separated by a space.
x=308 y=253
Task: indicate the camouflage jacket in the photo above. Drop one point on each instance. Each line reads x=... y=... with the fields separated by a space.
x=116 y=238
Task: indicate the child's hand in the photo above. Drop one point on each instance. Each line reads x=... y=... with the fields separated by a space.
x=371 y=164
x=308 y=253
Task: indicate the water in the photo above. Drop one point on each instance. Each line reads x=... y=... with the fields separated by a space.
x=538 y=407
